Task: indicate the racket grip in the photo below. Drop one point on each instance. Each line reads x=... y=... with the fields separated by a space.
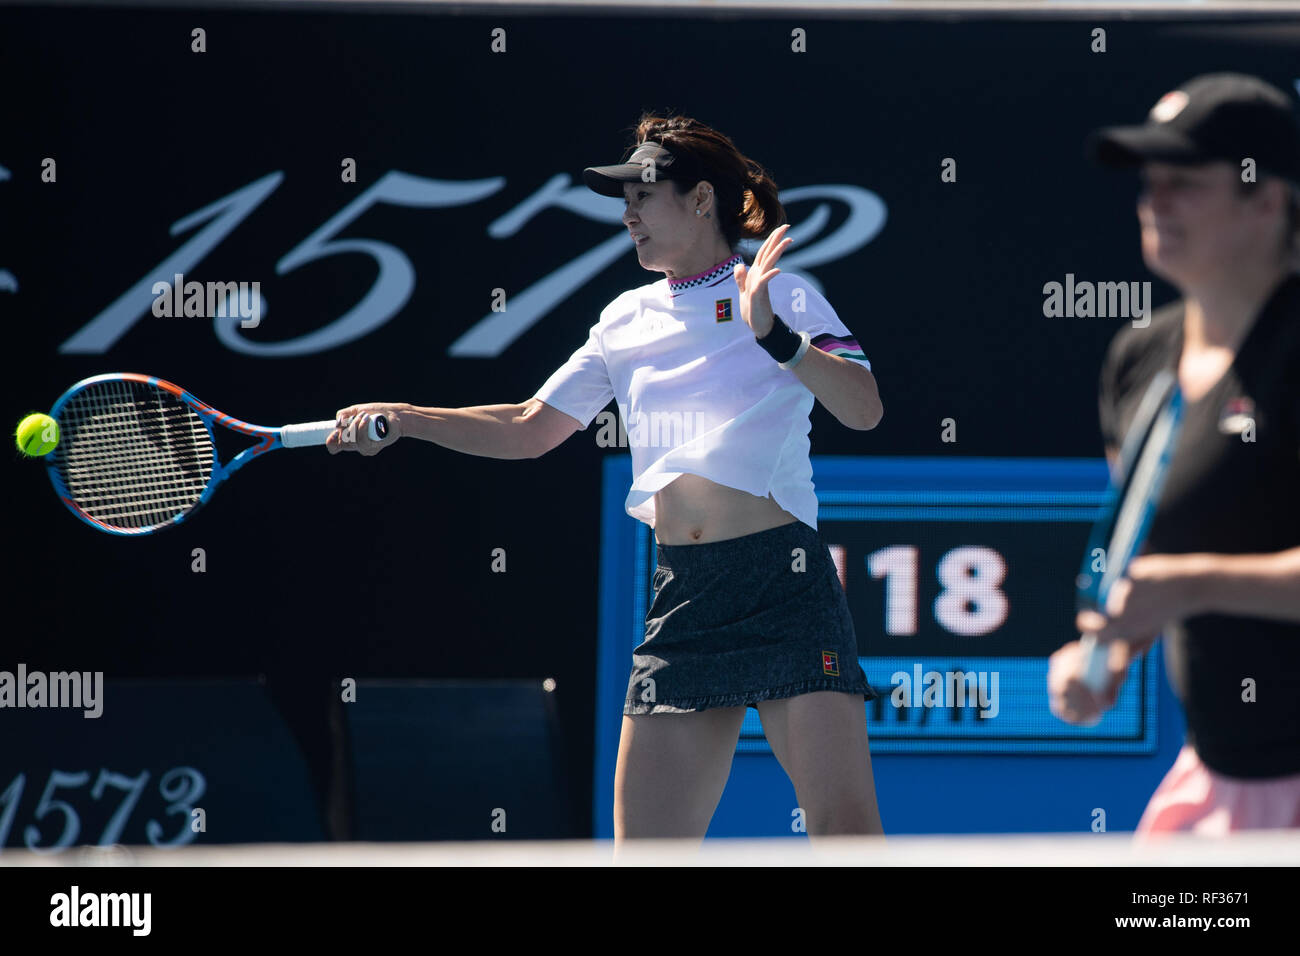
x=315 y=433
x=309 y=433
x=1095 y=656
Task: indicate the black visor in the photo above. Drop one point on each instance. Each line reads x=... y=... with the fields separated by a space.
x=649 y=163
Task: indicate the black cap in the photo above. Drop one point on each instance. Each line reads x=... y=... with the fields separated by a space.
x=1216 y=116
x=609 y=180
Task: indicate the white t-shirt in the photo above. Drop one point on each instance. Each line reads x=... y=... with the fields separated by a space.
x=697 y=394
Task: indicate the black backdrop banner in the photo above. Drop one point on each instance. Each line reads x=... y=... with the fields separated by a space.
x=226 y=166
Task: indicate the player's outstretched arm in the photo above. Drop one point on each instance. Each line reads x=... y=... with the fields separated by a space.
x=1246 y=585
x=525 y=430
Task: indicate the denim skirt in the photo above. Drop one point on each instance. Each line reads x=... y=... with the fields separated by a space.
x=743 y=620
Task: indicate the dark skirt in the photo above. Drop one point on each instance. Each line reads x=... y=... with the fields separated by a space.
x=744 y=620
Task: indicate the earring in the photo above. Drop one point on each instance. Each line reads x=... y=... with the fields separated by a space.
x=697 y=212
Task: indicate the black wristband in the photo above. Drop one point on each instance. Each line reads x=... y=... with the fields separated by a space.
x=780 y=343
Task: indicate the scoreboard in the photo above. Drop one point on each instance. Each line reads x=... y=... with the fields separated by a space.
x=959 y=573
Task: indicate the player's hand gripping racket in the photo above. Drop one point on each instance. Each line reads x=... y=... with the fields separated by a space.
x=1130 y=504
x=137 y=454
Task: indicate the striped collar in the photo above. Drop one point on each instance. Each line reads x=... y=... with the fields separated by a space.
x=711 y=277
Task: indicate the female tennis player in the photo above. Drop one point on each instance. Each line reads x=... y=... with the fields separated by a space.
x=1222 y=578
x=748 y=609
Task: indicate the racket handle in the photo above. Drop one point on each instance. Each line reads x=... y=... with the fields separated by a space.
x=315 y=433
x=1095 y=656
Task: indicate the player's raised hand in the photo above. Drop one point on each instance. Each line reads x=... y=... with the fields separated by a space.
x=368 y=429
x=755 y=304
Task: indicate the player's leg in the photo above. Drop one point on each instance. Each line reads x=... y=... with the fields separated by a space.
x=671 y=772
x=820 y=739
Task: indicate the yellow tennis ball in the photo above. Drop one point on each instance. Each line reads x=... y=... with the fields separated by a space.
x=37 y=435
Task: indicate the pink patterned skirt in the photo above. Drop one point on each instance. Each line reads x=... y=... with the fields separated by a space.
x=1194 y=799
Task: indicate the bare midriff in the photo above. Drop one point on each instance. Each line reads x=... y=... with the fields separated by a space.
x=694 y=510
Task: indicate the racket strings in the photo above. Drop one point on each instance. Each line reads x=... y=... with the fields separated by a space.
x=132 y=455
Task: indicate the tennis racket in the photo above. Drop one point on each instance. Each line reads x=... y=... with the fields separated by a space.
x=137 y=454
x=1130 y=505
